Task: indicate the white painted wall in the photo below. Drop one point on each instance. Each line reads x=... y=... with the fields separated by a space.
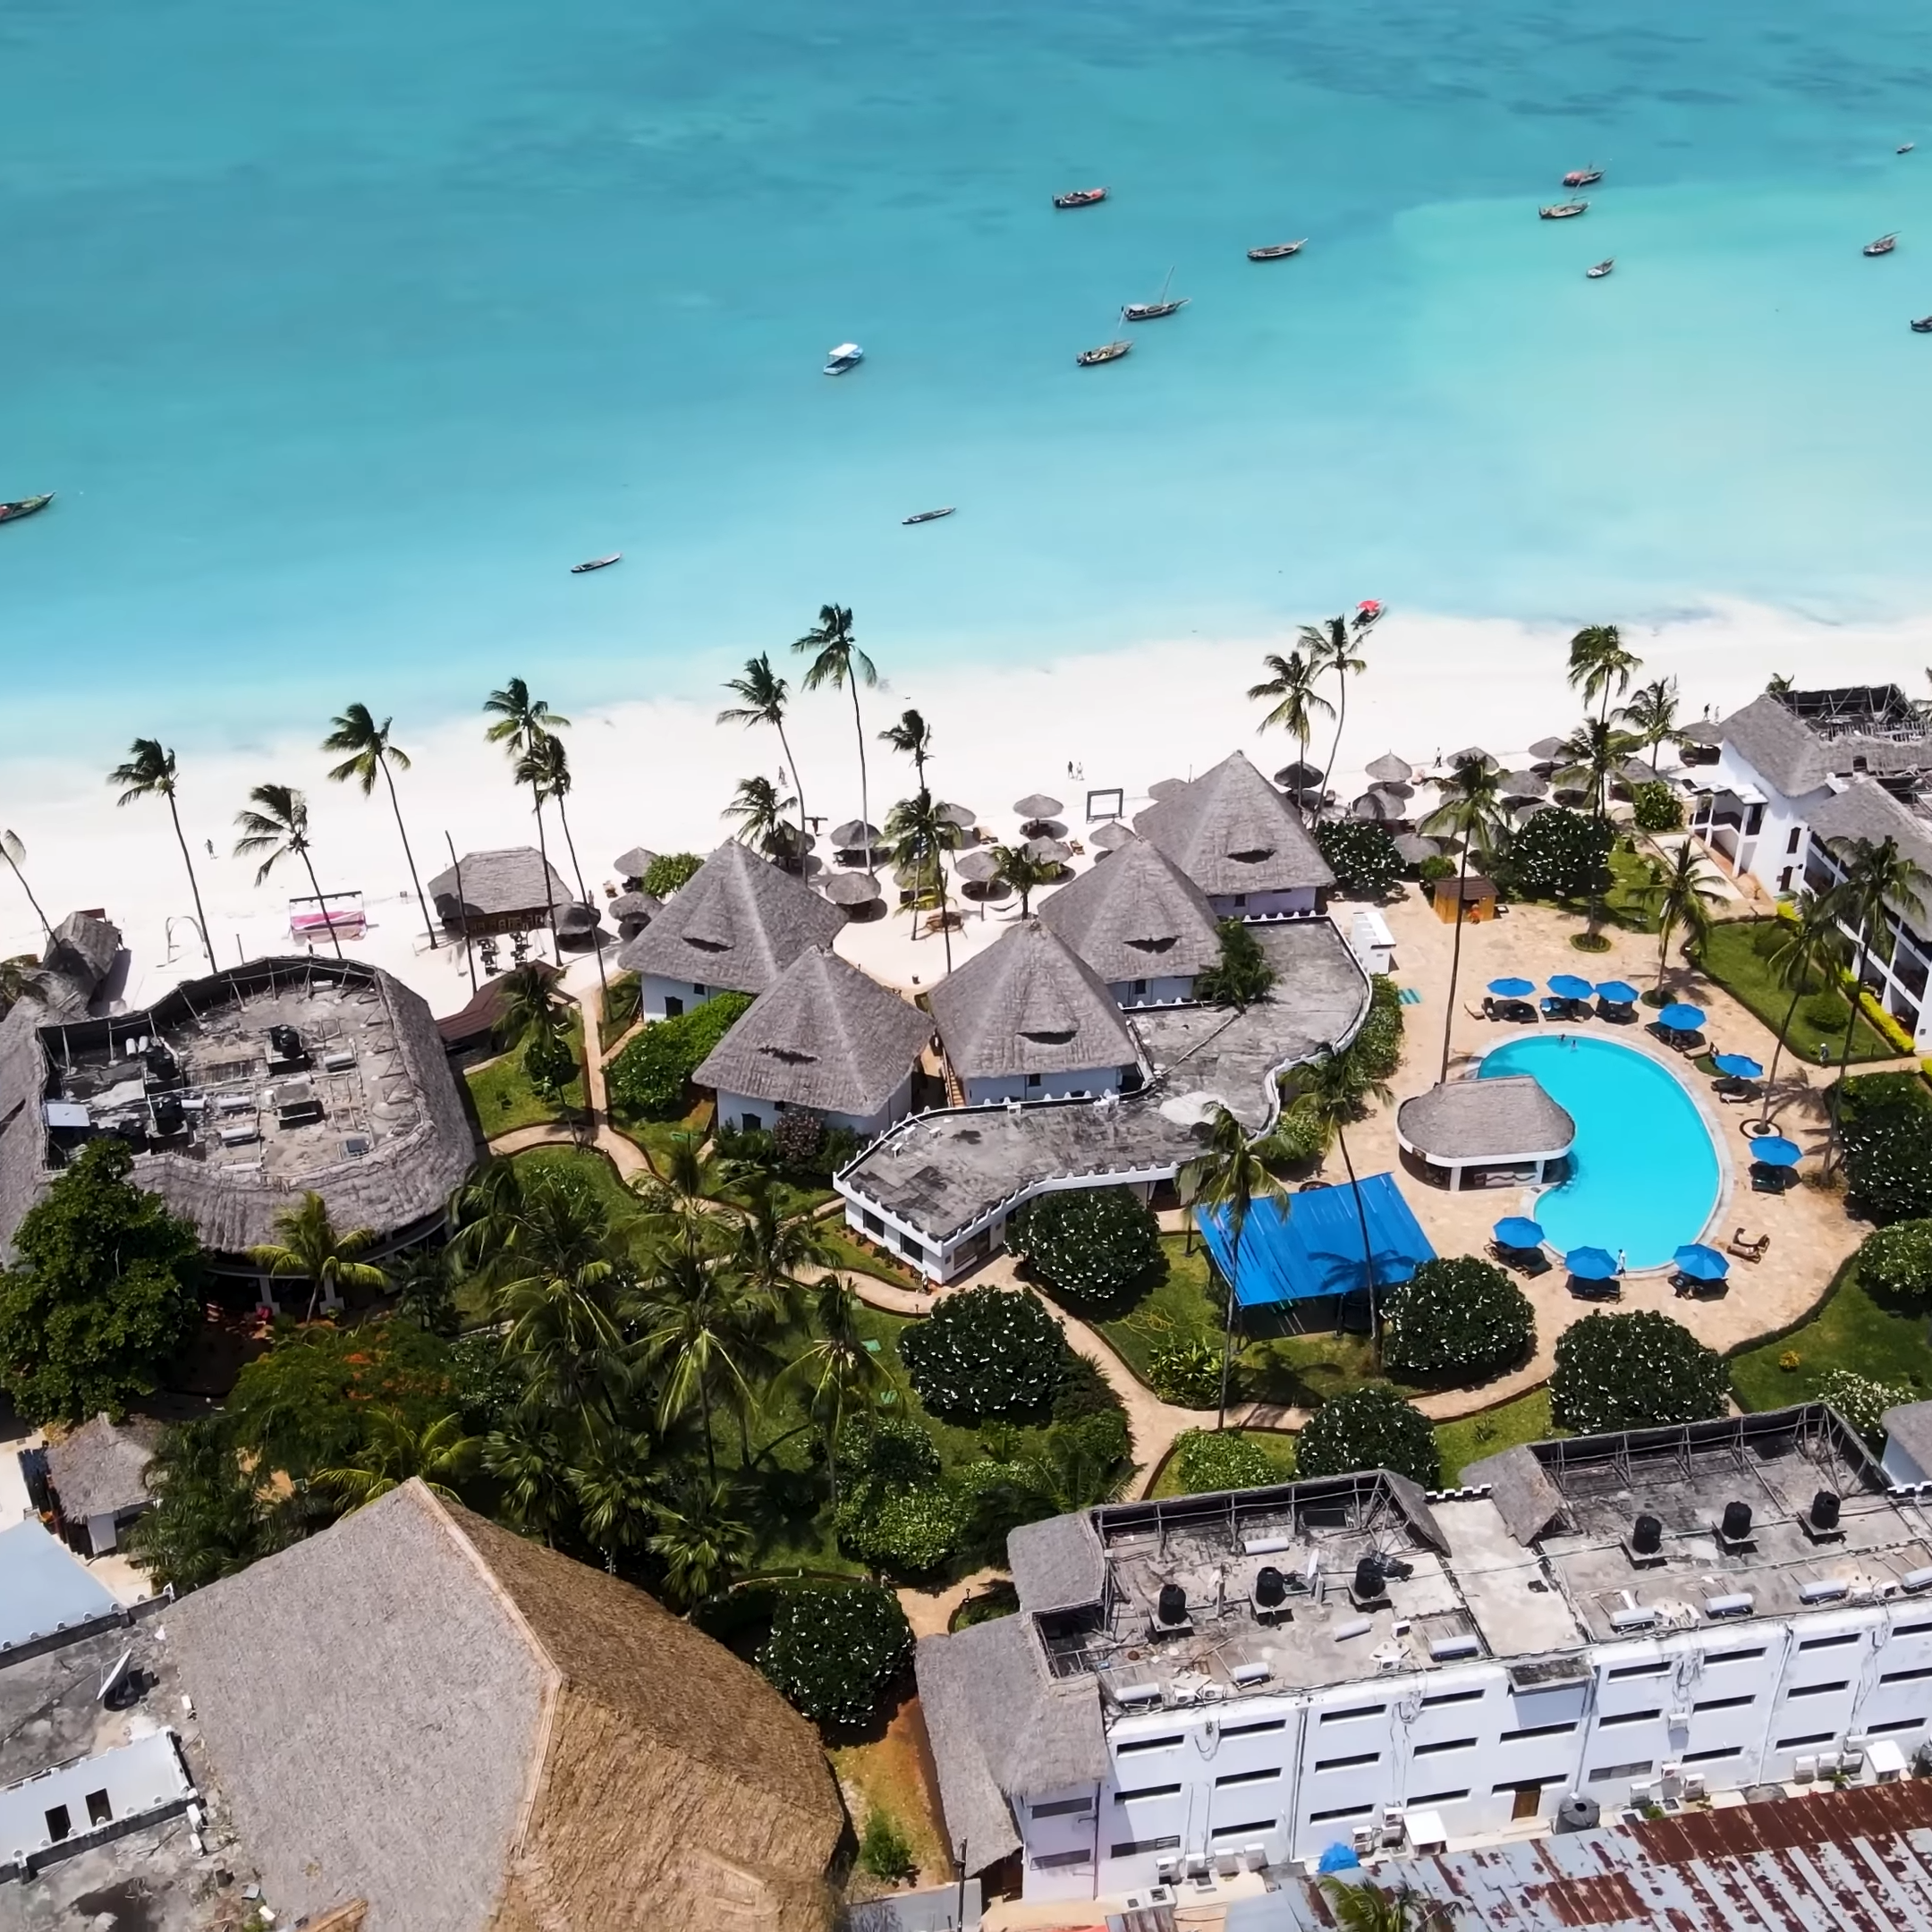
x=1303 y=902
x=144 y=1779
x=1089 y=1082
x=1175 y=990
x=653 y=992
x=734 y=1109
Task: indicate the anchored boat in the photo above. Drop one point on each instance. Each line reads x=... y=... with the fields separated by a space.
x=929 y=516
x=597 y=562
x=1883 y=245
x=1601 y=269
x=1563 y=210
x=1278 y=251
x=24 y=506
x=848 y=355
x=1152 y=311
x=1583 y=177
x=1923 y=326
x=1080 y=198
x=1106 y=352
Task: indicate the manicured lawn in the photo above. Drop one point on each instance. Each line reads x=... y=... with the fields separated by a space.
x=1630 y=873
x=621 y=1011
x=1527 y=1419
x=1730 y=956
x=1280 y=1448
x=505 y=1099
x=659 y=1138
x=1874 y=1336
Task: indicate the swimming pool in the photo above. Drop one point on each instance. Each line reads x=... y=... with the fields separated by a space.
x=1644 y=1175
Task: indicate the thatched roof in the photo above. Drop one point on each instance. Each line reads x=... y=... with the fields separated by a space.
x=468 y=1731
x=822 y=1036
x=1526 y=1497
x=737 y=925
x=635 y=863
x=1510 y=1117
x=1136 y=917
x=495 y=883
x=101 y=1468
x=1056 y=1564
x=1028 y=1004
x=1231 y=832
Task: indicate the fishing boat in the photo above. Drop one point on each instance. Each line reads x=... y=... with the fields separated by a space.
x=1601 y=269
x=928 y=516
x=1563 y=210
x=1152 y=311
x=1905 y=147
x=1080 y=198
x=24 y=506
x=1106 y=352
x=597 y=562
x=848 y=355
x=1923 y=326
x=1883 y=245
x=1582 y=177
x=1278 y=251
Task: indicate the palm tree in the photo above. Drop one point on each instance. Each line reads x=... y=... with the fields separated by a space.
x=836 y=1372
x=1683 y=895
x=912 y=735
x=1811 y=952
x=758 y=809
x=210 y=1519
x=1331 y=647
x=700 y=1541
x=1024 y=873
x=15 y=852
x=439 y=1454
x=773 y=1252
x=1291 y=688
x=311 y=1250
x=276 y=822
x=520 y=720
x=764 y=693
x=1589 y=758
x=838 y=661
x=1875 y=877
x=1471 y=809
x=1332 y=1089
x=149 y=773
x=693 y=1322
x=609 y=1476
x=1229 y=1176
x=533 y=1006
x=1651 y=716
x=370 y=751
x=921 y=835
x=1598 y=661
x=528 y=1461
x=1359 y=1905
x=424 y=1293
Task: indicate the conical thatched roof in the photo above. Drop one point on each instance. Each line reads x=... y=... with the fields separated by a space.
x=1028 y=1004
x=1231 y=832
x=474 y=1734
x=821 y=1036
x=101 y=1468
x=1137 y=917
x=737 y=924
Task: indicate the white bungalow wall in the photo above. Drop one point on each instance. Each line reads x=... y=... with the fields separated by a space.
x=1175 y=990
x=1081 y=1084
x=653 y=992
x=1304 y=902
x=747 y=1110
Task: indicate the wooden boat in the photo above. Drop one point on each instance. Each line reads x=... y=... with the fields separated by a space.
x=24 y=506
x=1152 y=311
x=928 y=516
x=1601 y=269
x=597 y=562
x=1883 y=245
x=1582 y=177
x=1923 y=326
x=848 y=355
x=1278 y=251
x=1080 y=198
x=1106 y=352
x=1563 y=210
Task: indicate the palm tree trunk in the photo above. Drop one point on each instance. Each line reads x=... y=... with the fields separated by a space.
x=1234 y=1302
x=396 y=805
x=1835 y=1099
x=1663 y=951
x=194 y=887
x=1340 y=718
x=1367 y=1249
x=1455 y=959
x=865 y=801
x=593 y=1036
x=798 y=786
x=543 y=853
x=28 y=889
x=320 y=906
x=1790 y=1013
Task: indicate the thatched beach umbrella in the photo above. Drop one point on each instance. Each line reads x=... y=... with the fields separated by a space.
x=977 y=867
x=1377 y=807
x=1047 y=851
x=577 y=923
x=1298 y=777
x=633 y=911
x=635 y=863
x=1389 y=769
x=1524 y=785
x=1037 y=805
x=851 y=888
x=1110 y=837
x=854 y=836
x=1545 y=750
x=1467 y=753
x=963 y=816
x=1163 y=789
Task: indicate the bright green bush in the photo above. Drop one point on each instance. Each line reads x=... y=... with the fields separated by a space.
x=1559 y=854
x=1826 y=1010
x=834 y=1650
x=1186 y=1372
x=1437 y=865
x=1898 y=1259
x=1099 y=1245
x=650 y=1079
x=1459 y=1317
x=1366 y=1428
x=670 y=870
x=1242 y=974
x=548 y=1063
x=1362 y=856
x=1298 y=1137
x=985 y=1351
x=1862 y=1402
x=1376 y=1051
x=884 y=1851
x=1659 y=808
x=1208 y=1460
x=907 y=1531
x=1638 y=1371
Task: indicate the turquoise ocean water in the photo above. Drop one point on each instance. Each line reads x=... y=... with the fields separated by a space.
x=343 y=331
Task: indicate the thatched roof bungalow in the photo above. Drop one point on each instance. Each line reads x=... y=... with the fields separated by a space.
x=98 y=1475
x=1478 y=1131
x=511 y=891
x=465 y=1731
x=1241 y=842
x=1140 y=922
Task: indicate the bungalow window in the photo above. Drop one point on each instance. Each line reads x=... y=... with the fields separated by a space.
x=873 y=1224
x=1033 y=1080
x=1796 y=838
x=1241 y=898
x=1139 y=986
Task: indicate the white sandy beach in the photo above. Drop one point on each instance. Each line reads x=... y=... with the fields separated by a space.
x=658 y=773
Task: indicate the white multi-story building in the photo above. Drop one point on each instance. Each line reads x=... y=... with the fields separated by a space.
x=1244 y=1680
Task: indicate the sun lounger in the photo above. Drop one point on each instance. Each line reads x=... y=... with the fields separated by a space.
x=1766 y=1180
x=1596 y=1290
x=1747 y=1247
x=1692 y=1284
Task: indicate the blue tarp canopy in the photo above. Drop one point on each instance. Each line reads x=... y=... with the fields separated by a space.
x=1295 y=1247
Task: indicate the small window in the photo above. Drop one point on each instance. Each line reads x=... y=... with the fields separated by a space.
x=1897 y=1724
x=1448 y=1744
x=1840 y=1683
x=1241 y=898
x=1810 y=1737
x=1249 y=1830
x=1249 y=1777
x=1139 y=1847
x=1346 y=1811
x=1713 y=1757
x=1830 y=1643
x=1139 y=986
x=1062 y=1807
x=1254 y=1729
x=1795 y=840
x=674 y=1007
x=698 y=989
x=1911 y=1629
x=100 y=1809
x=1530 y=1730
x=1723 y=1703
x=872 y=1223
x=1059 y=1861
x=1899 y=1676
x=1638 y=1670
x=59 y=1824
x=1033 y=1080
x=1616 y=1774
x=1147 y=1744
x=1635 y=1716
x=1734 y=1657
x=1458 y=1697
x=1430 y=1798
x=1147 y=1791
x=1348 y=1763
x=1348 y=1716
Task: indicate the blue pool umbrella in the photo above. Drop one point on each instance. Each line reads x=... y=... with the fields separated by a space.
x=1737 y=1066
x=1618 y=992
x=1338 y=1858
x=1701 y=1263
x=1512 y=988
x=1570 y=986
x=1775 y=1151
x=1519 y=1230
x=1682 y=1019
x=1591 y=1263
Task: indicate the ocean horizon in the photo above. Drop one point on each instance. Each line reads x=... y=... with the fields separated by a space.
x=343 y=334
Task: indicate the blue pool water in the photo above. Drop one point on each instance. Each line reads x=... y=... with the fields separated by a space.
x=1644 y=1175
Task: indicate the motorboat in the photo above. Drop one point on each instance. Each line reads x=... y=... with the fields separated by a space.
x=1883 y=245
x=1905 y=147
x=848 y=355
x=1278 y=251
x=597 y=562
x=1601 y=269
x=24 y=506
x=928 y=516
x=1563 y=210
x=1080 y=198
x=1582 y=177
x=1923 y=326
x=1152 y=311
x=1106 y=352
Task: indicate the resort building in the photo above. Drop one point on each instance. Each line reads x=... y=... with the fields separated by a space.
x=485 y=892
x=1241 y=842
x=1141 y=923
x=96 y=1479
x=733 y=927
x=1243 y=1680
x=237 y=1094
x=824 y=1040
x=423 y=1715
x=1028 y=1020
x=1500 y=1133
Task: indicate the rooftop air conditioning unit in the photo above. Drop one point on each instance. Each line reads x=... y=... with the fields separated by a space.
x=1251 y=1673
x=1917 y=1579
x=1465 y=1644
x=1678 y=1720
x=1639 y=1617
x=1827 y=1590
x=1139 y=1693
x=1738 y=1603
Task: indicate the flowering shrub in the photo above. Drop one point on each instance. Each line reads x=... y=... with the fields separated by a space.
x=831 y=1652
x=1638 y=1371
x=1659 y=808
x=1898 y=1259
x=1097 y=1244
x=1559 y=854
x=651 y=1077
x=985 y=1351
x=1888 y=1163
x=1362 y=856
x=1366 y=1428
x=1862 y=1400
x=1459 y=1317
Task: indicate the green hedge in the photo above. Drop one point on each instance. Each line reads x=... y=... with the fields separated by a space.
x=1365 y=1428
x=650 y=1079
